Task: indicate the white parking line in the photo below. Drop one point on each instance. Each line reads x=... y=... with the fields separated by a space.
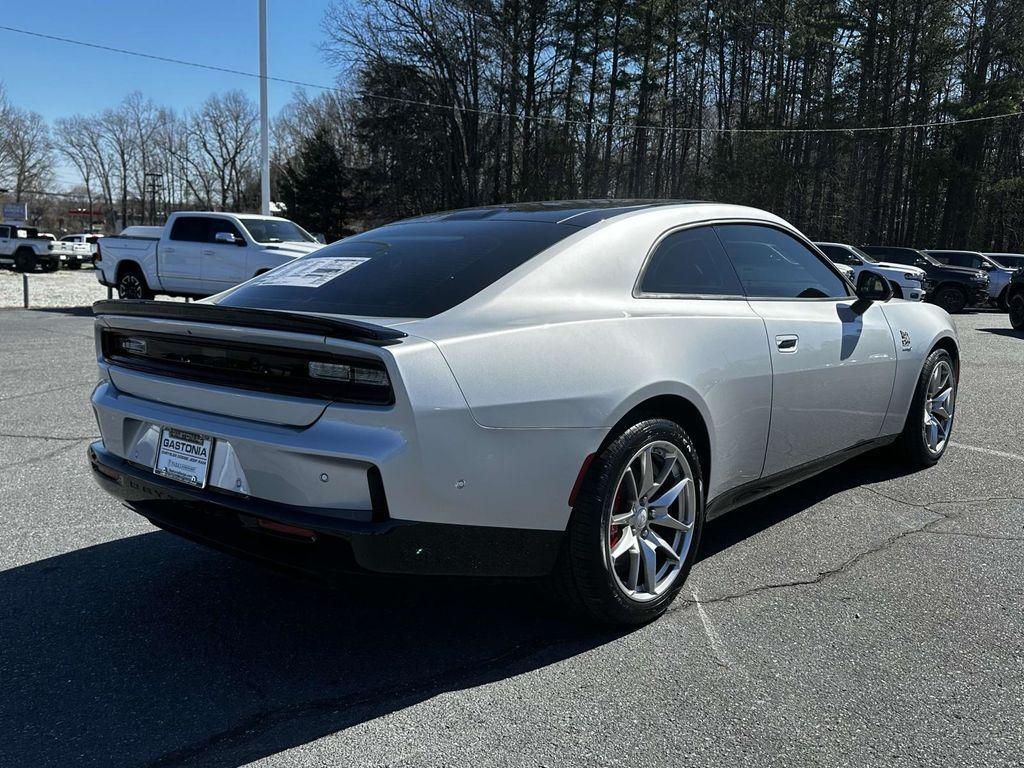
x=989 y=451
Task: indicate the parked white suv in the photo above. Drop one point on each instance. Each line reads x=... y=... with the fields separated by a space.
x=88 y=238
x=198 y=253
x=907 y=282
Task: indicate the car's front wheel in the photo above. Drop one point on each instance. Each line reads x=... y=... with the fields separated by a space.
x=929 y=423
x=636 y=525
x=952 y=299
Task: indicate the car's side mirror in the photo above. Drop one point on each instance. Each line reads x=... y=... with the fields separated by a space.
x=871 y=286
x=228 y=239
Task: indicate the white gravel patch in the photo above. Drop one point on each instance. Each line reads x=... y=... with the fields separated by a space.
x=64 y=288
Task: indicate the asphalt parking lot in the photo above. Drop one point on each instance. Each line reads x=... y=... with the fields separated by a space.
x=865 y=617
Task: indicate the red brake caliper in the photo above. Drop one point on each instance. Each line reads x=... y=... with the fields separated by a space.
x=616 y=530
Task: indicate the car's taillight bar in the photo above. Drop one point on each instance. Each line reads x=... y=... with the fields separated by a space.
x=255 y=367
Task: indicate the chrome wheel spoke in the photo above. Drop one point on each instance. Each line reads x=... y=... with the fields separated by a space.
x=629 y=481
x=626 y=542
x=668 y=497
x=646 y=471
x=668 y=521
x=649 y=557
x=622 y=519
x=663 y=545
x=634 y=567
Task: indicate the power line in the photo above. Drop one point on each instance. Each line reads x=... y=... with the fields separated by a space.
x=503 y=115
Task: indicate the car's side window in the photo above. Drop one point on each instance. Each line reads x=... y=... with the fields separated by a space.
x=774 y=264
x=5 y=232
x=840 y=255
x=690 y=262
x=220 y=225
x=191 y=229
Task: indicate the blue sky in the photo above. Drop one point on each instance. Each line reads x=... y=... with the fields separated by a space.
x=57 y=79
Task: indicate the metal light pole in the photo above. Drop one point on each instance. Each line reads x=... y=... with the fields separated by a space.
x=264 y=121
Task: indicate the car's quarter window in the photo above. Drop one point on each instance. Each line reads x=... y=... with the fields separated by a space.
x=191 y=229
x=774 y=264
x=5 y=232
x=690 y=262
x=418 y=269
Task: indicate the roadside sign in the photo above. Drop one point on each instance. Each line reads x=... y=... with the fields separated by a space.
x=15 y=212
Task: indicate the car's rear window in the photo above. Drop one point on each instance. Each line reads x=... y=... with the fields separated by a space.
x=401 y=270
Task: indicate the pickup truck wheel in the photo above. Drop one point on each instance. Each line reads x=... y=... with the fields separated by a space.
x=25 y=261
x=132 y=285
x=635 y=528
x=1016 y=308
x=951 y=298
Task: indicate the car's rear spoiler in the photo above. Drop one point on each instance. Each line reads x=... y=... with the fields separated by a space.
x=267 y=319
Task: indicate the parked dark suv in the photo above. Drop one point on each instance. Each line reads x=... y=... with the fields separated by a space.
x=952 y=288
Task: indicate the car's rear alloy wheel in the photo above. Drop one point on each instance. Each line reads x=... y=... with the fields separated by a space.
x=636 y=524
x=651 y=525
x=132 y=285
x=930 y=421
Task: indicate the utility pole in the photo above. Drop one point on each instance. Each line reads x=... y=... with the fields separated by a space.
x=152 y=179
x=264 y=121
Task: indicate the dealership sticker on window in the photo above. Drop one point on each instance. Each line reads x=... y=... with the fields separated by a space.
x=311 y=273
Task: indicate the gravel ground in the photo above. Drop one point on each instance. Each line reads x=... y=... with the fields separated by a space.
x=64 y=288
x=866 y=617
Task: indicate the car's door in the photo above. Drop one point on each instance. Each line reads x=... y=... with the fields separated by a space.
x=833 y=366
x=180 y=256
x=224 y=264
x=703 y=332
x=6 y=247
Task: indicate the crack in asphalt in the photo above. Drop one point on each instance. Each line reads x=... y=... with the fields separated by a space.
x=44 y=456
x=42 y=391
x=822 y=576
x=391 y=696
x=76 y=439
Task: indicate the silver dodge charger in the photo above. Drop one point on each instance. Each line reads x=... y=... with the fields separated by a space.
x=567 y=390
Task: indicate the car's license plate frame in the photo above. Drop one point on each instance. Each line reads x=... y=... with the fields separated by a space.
x=184 y=456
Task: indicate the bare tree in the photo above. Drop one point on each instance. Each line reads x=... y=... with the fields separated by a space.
x=30 y=151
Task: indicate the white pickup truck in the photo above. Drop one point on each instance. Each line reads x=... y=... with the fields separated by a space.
x=198 y=253
x=24 y=248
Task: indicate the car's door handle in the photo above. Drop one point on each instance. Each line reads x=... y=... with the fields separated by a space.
x=168 y=250
x=207 y=252
x=786 y=342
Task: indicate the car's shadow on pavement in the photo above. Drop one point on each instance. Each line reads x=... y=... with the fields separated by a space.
x=152 y=650
x=1004 y=332
x=742 y=523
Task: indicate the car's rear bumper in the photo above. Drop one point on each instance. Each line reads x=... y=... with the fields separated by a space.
x=323 y=542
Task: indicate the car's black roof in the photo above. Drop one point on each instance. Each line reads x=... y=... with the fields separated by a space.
x=575 y=213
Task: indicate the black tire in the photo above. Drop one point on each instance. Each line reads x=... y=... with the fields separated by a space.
x=74 y=265
x=911 y=445
x=951 y=298
x=25 y=260
x=1001 y=302
x=132 y=284
x=1015 y=306
x=897 y=289
x=583 y=576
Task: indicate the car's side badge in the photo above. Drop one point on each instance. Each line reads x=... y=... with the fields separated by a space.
x=905 y=339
